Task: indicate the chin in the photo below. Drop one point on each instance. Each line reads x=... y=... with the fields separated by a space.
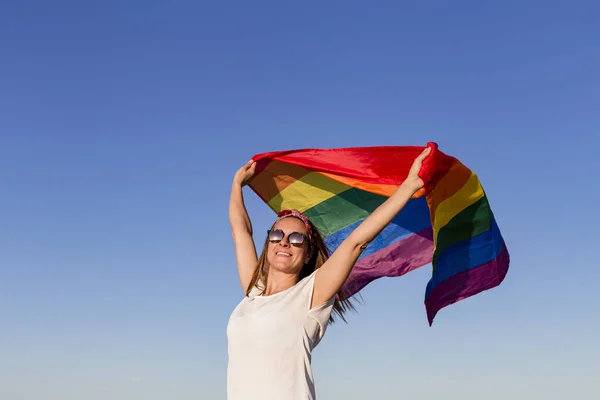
x=285 y=267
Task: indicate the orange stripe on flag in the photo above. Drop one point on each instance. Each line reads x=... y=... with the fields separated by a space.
x=384 y=190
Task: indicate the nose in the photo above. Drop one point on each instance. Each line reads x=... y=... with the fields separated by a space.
x=284 y=242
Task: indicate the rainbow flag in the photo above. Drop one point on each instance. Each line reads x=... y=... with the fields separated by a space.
x=449 y=223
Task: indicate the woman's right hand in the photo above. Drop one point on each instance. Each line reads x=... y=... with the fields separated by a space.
x=243 y=175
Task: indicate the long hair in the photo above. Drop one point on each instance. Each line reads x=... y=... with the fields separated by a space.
x=341 y=304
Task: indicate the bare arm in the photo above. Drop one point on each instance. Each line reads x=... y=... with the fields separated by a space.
x=337 y=268
x=241 y=227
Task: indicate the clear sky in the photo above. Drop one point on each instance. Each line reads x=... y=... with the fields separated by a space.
x=122 y=123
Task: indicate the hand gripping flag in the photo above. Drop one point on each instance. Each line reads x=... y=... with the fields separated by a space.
x=448 y=223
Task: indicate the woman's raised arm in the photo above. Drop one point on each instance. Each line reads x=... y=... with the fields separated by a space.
x=241 y=226
x=337 y=268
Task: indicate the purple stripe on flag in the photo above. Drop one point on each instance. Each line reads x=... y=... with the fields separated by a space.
x=395 y=260
x=468 y=283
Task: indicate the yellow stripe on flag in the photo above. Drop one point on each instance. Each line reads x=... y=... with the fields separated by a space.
x=463 y=198
x=307 y=192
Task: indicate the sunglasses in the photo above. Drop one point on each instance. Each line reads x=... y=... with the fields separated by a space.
x=295 y=238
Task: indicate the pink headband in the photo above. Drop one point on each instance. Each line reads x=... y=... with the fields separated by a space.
x=295 y=213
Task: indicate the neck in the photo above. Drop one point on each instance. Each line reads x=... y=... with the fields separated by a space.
x=278 y=281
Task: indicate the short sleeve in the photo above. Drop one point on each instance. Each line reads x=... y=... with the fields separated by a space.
x=317 y=318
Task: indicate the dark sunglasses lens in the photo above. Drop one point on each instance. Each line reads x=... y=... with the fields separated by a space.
x=275 y=236
x=296 y=238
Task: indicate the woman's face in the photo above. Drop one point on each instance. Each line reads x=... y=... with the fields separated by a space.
x=285 y=256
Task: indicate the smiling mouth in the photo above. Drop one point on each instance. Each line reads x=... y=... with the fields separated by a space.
x=283 y=253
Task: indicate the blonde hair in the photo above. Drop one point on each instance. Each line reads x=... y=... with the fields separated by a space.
x=320 y=254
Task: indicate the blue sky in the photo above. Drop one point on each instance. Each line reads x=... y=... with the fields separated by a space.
x=121 y=126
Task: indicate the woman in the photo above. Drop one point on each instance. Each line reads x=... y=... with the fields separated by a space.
x=290 y=293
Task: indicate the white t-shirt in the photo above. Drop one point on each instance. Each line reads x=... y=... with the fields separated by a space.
x=270 y=340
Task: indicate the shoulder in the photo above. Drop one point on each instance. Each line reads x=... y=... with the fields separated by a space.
x=317 y=315
x=307 y=285
x=319 y=312
x=255 y=291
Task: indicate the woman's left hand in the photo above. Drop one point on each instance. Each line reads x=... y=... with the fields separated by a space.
x=413 y=179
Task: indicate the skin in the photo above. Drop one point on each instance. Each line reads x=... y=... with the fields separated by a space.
x=283 y=269
x=332 y=275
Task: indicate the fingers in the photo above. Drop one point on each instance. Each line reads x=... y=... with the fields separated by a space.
x=252 y=168
x=424 y=154
x=248 y=164
x=246 y=172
